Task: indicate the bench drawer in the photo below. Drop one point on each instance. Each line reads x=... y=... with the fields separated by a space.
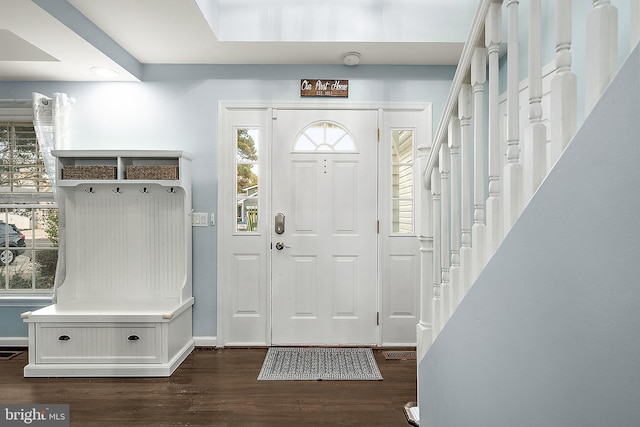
x=98 y=343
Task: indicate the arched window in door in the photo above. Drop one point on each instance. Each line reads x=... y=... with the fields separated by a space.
x=324 y=136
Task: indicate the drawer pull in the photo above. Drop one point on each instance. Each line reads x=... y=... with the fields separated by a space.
x=64 y=338
x=133 y=338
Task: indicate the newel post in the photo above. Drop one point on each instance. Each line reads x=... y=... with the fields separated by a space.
x=602 y=50
x=424 y=230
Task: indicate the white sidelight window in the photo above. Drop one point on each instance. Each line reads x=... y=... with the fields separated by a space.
x=402 y=197
x=247 y=179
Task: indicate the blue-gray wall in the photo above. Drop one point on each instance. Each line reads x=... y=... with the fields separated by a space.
x=176 y=107
x=548 y=334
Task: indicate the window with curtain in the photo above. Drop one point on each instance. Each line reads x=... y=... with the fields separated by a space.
x=28 y=212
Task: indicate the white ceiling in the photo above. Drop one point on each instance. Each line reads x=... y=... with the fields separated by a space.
x=53 y=40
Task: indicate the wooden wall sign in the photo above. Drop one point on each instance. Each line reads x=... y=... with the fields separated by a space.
x=324 y=88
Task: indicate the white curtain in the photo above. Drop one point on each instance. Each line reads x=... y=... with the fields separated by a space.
x=51 y=123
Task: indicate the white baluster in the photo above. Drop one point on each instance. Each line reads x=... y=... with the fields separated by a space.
x=564 y=103
x=634 y=33
x=445 y=242
x=455 y=275
x=424 y=229
x=437 y=253
x=513 y=168
x=493 y=37
x=602 y=50
x=535 y=154
x=466 y=179
x=478 y=230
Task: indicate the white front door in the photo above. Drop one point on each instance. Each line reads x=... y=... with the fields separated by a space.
x=324 y=257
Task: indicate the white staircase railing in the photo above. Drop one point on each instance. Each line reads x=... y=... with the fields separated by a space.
x=475 y=182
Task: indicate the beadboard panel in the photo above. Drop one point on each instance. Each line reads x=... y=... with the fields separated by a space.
x=126 y=243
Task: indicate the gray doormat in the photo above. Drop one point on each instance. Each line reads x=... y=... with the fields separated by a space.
x=319 y=363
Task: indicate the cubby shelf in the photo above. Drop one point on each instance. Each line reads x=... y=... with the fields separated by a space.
x=168 y=165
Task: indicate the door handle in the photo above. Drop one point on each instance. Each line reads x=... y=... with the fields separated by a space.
x=279 y=223
x=280 y=246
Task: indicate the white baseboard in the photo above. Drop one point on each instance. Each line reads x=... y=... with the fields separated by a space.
x=206 y=341
x=14 y=341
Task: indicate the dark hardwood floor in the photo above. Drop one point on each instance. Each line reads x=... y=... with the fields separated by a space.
x=219 y=388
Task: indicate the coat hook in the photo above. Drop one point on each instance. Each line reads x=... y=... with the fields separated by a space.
x=89 y=190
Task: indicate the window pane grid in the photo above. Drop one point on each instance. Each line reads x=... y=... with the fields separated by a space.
x=324 y=136
x=21 y=166
x=29 y=248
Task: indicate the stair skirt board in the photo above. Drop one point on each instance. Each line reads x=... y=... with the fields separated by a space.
x=110 y=369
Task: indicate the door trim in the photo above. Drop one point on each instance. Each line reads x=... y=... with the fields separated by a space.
x=224 y=209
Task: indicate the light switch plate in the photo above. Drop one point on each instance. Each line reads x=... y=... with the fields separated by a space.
x=199 y=219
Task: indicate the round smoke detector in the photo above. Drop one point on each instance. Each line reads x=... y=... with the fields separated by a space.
x=351 y=58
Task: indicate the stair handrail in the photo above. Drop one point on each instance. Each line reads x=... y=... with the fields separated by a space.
x=462 y=70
